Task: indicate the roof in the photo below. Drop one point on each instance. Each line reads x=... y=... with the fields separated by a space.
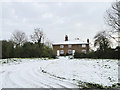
x=70 y=42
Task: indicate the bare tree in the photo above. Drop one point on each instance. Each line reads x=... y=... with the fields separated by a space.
x=38 y=36
x=112 y=18
x=48 y=43
x=102 y=41
x=19 y=38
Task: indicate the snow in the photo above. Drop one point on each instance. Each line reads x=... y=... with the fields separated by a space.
x=70 y=42
x=57 y=73
x=93 y=71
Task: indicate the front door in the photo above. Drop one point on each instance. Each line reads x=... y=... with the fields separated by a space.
x=73 y=52
x=58 y=53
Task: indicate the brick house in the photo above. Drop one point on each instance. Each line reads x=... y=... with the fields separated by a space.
x=70 y=47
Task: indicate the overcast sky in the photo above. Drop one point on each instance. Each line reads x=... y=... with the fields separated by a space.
x=57 y=19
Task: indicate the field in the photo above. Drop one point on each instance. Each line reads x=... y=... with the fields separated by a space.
x=58 y=73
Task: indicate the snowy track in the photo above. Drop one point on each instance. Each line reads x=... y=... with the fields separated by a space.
x=29 y=75
x=59 y=73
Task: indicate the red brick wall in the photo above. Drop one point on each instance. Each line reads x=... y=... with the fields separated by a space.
x=77 y=48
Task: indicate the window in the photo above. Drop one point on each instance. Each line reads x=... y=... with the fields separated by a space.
x=61 y=46
x=83 y=45
x=83 y=51
x=61 y=51
x=69 y=46
x=69 y=51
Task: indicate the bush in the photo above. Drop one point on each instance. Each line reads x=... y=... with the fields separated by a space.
x=28 y=50
x=109 y=53
x=79 y=55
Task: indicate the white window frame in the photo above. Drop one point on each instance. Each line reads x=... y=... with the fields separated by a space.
x=61 y=46
x=69 y=46
x=61 y=51
x=83 y=45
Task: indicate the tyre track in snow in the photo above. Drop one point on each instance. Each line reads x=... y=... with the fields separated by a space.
x=52 y=80
x=38 y=82
x=22 y=78
x=29 y=76
x=7 y=80
x=42 y=80
x=25 y=82
x=15 y=80
x=47 y=80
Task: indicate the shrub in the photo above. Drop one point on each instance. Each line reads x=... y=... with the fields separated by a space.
x=79 y=55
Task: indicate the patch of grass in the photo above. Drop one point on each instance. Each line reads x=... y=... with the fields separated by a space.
x=44 y=71
x=60 y=77
x=86 y=85
x=91 y=85
x=52 y=74
x=73 y=79
x=4 y=62
x=14 y=60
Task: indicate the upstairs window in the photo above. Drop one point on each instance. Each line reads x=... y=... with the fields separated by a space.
x=69 y=46
x=61 y=46
x=83 y=45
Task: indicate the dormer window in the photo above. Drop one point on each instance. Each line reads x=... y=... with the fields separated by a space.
x=69 y=46
x=61 y=46
x=83 y=45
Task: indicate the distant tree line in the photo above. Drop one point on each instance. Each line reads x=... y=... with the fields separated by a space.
x=104 y=50
x=27 y=50
x=103 y=39
x=108 y=54
x=19 y=47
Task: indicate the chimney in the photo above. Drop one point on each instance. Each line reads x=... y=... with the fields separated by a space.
x=66 y=38
x=88 y=41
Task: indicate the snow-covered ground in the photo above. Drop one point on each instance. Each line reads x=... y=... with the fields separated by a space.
x=57 y=73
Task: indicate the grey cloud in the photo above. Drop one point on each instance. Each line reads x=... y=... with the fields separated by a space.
x=56 y=19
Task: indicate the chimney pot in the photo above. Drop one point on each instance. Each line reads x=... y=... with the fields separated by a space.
x=88 y=41
x=66 y=38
